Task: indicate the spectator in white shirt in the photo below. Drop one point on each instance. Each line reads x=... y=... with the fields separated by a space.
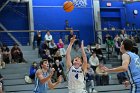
x=48 y=36
x=94 y=61
x=123 y=35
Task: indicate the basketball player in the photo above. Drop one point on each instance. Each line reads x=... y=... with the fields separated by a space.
x=76 y=69
x=131 y=64
x=43 y=78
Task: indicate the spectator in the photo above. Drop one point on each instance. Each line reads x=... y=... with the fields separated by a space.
x=57 y=56
x=48 y=37
x=99 y=53
x=123 y=35
x=43 y=47
x=47 y=56
x=90 y=79
x=110 y=44
x=67 y=26
x=94 y=61
x=58 y=70
x=117 y=46
x=88 y=51
x=2 y=63
x=102 y=77
x=6 y=54
x=60 y=46
x=52 y=47
x=16 y=53
x=38 y=38
x=116 y=37
x=135 y=47
x=33 y=69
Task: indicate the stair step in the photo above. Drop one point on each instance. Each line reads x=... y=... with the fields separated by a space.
x=111 y=88
x=28 y=87
x=13 y=76
x=14 y=82
x=16 y=65
x=22 y=70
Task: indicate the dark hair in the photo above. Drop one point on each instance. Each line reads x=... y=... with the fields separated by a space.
x=128 y=45
x=93 y=52
x=42 y=61
x=15 y=44
x=78 y=57
x=4 y=45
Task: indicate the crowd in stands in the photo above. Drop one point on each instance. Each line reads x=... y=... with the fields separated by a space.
x=13 y=55
x=55 y=52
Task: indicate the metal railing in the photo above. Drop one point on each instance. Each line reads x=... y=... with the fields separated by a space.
x=24 y=36
x=113 y=33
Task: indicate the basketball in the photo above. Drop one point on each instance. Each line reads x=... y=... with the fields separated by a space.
x=68 y=6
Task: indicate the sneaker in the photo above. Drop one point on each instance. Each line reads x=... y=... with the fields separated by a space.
x=94 y=91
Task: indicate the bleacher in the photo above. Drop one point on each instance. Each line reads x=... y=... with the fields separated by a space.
x=14 y=77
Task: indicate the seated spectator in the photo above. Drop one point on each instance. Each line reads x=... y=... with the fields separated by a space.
x=60 y=46
x=33 y=69
x=48 y=37
x=102 y=77
x=135 y=47
x=6 y=54
x=90 y=79
x=117 y=46
x=16 y=53
x=99 y=53
x=43 y=47
x=121 y=77
x=47 y=56
x=88 y=51
x=1 y=84
x=116 y=37
x=57 y=56
x=93 y=61
x=58 y=70
x=2 y=63
x=52 y=47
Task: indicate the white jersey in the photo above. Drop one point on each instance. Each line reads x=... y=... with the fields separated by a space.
x=75 y=78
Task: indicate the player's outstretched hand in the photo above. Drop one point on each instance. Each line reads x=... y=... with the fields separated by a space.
x=82 y=44
x=126 y=83
x=72 y=40
x=105 y=69
x=59 y=79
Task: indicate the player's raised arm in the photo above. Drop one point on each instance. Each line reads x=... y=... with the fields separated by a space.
x=68 y=51
x=84 y=66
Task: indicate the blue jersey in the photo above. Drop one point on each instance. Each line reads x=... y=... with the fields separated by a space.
x=39 y=87
x=134 y=72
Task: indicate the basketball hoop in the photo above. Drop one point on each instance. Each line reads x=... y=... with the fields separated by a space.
x=80 y=3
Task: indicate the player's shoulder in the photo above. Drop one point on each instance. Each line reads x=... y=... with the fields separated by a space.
x=39 y=71
x=125 y=56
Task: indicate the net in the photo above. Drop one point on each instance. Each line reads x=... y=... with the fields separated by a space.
x=80 y=3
